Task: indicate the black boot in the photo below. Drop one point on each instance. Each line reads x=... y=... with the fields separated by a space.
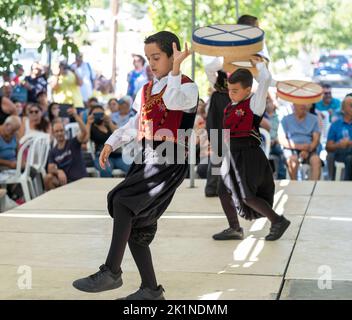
x=102 y=280
x=277 y=229
x=146 y=294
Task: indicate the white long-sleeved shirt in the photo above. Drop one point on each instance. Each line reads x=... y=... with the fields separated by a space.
x=177 y=96
x=258 y=99
x=212 y=66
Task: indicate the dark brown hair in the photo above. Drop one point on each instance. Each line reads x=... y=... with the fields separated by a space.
x=164 y=40
x=242 y=76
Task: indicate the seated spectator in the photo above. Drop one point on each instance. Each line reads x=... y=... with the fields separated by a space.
x=7 y=108
x=113 y=106
x=89 y=105
x=53 y=114
x=35 y=123
x=99 y=128
x=20 y=106
x=340 y=138
x=124 y=113
x=329 y=104
x=300 y=135
x=8 y=142
x=42 y=99
x=275 y=149
x=92 y=102
x=65 y=161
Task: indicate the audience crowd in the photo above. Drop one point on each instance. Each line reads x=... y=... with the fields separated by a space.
x=78 y=111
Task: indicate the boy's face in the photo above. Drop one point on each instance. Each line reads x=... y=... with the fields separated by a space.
x=159 y=62
x=237 y=93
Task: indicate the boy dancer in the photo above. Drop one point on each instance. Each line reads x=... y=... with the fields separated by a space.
x=167 y=102
x=246 y=171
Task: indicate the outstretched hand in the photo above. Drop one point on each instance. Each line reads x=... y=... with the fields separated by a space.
x=255 y=60
x=104 y=156
x=179 y=57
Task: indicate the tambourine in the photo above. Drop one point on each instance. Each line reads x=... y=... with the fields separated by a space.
x=299 y=91
x=231 y=65
x=228 y=40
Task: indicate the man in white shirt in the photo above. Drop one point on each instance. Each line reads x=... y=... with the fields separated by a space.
x=86 y=73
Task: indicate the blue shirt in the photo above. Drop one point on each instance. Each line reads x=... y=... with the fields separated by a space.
x=300 y=132
x=335 y=106
x=69 y=159
x=339 y=130
x=121 y=120
x=8 y=149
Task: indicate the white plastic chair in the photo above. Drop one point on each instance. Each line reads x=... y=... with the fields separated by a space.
x=91 y=150
x=16 y=176
x=340 y=167
x=41 y=148
x=267 y=141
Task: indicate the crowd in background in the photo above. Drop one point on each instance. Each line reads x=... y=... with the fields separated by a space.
x=78 y=110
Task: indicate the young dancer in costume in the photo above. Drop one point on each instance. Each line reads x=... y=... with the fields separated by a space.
x=164 y=105
x=246 y=170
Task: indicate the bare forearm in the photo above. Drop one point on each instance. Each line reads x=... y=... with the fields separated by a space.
x=5 y=163
x=83 y=137
x=88 y=128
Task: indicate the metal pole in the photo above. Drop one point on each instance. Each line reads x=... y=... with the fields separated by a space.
x=192 y=148
x=115 y=11
x=237 y=11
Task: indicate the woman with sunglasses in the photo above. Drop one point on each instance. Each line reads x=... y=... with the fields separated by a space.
x=34 y=123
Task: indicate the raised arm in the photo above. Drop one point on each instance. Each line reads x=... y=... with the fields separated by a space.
x=179 y=96
x=258 y=101
x=212 y=67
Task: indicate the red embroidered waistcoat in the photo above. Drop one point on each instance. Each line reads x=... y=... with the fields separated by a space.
x=155 y=117
x=239 y=119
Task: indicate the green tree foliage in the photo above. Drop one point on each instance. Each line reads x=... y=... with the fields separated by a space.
x=290 y=25
x=63 y=18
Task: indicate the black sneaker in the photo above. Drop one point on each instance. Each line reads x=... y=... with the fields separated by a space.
x=278 y=229
x=102 y=280
x=229 y=234
x=211 y=194
x=146 y=294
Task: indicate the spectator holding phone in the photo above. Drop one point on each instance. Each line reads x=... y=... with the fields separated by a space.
x=66 y=84
x=65 y=161
x=100 y=127
x=42 y=98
